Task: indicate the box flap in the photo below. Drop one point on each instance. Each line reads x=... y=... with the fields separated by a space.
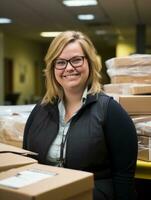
x=11 y=160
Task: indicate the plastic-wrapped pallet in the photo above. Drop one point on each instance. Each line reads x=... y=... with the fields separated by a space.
x=129 y=61
x=130 y=69
x=143 y=127
x=12 y=123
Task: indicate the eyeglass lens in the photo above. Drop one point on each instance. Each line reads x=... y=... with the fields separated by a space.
x=75 y=62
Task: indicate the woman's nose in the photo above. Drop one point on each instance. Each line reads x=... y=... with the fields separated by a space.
x=69 y=66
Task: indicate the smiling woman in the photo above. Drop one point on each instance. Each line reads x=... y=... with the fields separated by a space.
x=67 y=46
x=77 y=126
x=74 y=71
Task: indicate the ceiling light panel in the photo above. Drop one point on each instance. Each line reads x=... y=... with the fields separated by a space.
x=49 y=34
x=80 y=2
x=86 y=17
x=5 y=21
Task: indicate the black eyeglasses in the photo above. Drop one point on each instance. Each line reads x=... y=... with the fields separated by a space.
x=75 y=62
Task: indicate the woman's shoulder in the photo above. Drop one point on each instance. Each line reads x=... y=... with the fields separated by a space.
x=103 y=97
x=103 y=94
x=110 y=104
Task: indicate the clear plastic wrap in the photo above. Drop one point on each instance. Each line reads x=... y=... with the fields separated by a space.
x=9 y=110
x=143 y=128
x=129 y=61
x=144 y=148
x=130 y=69
x=12 y=123
x=141 y=118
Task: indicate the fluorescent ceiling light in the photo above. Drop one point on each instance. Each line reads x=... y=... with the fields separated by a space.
x=100 y=32
x=49 y=34
x=5 y=20
x=80 y=2
x=86 y=17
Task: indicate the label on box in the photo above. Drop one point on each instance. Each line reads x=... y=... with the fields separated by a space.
x=25 y=178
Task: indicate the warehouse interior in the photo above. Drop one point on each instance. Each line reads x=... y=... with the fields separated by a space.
x=118 y=29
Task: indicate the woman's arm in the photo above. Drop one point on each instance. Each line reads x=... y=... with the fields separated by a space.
x=121 y=138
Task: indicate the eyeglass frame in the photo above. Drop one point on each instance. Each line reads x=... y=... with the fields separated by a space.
x=68 y=61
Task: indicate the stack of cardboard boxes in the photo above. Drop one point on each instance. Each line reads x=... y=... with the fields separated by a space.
x=130 y=69
x=22 y=178
x=131 y=87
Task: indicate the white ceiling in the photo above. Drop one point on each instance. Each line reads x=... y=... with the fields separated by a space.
x=117 y=17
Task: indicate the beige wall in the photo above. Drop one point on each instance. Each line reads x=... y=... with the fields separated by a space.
x=25 y=55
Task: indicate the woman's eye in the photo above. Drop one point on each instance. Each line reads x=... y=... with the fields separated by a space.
x=76 y=60
x=60 y=62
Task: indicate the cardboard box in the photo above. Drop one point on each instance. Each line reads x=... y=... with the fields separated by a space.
x=129 y=61
x=134 y=104
x=127 y=88
x=144 y=148
x=11 y=160
x=63 y=184
x=11 y=157
x=144 y=79
x=5 y=148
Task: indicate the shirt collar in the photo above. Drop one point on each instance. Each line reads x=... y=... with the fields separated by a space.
x=84 y=96
x=61 y=104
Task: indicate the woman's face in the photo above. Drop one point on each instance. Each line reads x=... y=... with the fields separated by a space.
x=72 y=75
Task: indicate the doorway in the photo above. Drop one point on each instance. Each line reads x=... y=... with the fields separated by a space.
x=10 y=97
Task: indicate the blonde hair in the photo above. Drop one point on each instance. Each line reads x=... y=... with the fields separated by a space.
x=53 y=89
